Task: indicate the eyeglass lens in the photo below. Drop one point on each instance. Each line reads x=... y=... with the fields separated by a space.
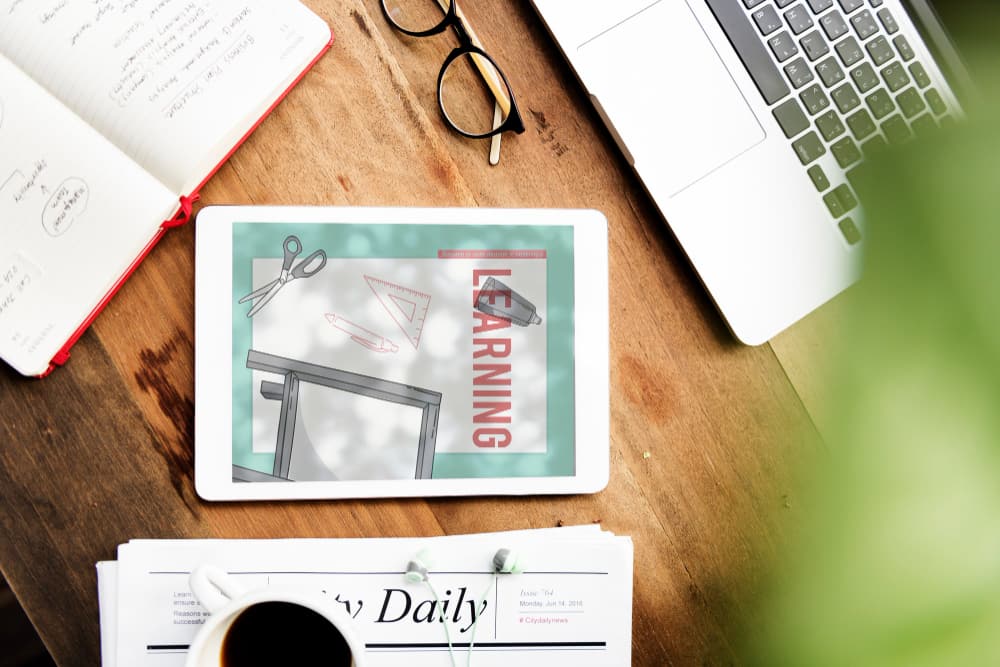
x=416 y=15
x=471 y=84
x=467 y=99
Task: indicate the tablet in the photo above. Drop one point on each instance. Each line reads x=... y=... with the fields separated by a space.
x=375 y=352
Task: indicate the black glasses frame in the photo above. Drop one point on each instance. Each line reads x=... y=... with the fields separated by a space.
x=513 y=122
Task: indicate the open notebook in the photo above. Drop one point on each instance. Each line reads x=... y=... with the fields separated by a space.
x=112 y=116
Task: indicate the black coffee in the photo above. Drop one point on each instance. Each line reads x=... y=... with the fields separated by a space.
x=273 y=634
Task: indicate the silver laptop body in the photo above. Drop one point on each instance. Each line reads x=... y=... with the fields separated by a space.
x=745 y=118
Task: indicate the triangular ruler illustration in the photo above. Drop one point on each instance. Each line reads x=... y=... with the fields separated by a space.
x=407 y=307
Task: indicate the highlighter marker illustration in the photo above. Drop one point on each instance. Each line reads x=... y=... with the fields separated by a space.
x=362 y=336
x=501 y=301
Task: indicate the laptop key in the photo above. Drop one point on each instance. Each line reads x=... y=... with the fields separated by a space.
x=814 y=45
x=849 y=51
x=798 y=19
x=783 y=3
x=845 y=98
x=840 y=200
x=911 y=102
x=904 y=48
x=936 y=102
x=833 y=24
x=888 y=21
x=864 y=25
x=833 y=204
x=896 y=130
x=829 y=72
x=798 y=73
x=750 y=4
x=767 y=20
x=875 y=3
x=919 y=75
x=850 y=231
x=814 y=99
x=790 y=117
x=818 y=177
x=783 y=46
x=819 y=6
x=846 y=197
x=895 y=76
x=829 y=125
x=752 y=53
x=861 y=124
x=864 y=77
x=880 y=103
x=880 y=51
x=846 y=152
x=809 y=148
x=850 y=5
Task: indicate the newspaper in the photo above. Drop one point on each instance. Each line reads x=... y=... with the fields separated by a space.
x=573 y=602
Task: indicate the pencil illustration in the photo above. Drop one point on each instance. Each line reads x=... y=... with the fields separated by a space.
x=361 y=336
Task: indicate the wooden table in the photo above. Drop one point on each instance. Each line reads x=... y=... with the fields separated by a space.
x=704 y=431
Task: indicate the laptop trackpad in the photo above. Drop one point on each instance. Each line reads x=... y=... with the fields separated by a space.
x=668 y=95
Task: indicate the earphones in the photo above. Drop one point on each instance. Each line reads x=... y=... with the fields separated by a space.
x=416 y=569
x=505 y=561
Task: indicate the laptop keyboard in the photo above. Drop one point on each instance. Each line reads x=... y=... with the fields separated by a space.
x=839 y=78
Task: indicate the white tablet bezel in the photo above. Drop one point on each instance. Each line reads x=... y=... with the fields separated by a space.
x=213 y=353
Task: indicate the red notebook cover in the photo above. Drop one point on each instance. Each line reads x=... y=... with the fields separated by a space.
x=182 y=215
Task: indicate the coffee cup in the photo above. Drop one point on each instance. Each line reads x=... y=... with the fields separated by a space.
x=271 y=625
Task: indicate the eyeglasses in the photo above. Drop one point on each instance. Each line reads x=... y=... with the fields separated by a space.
x=473 y=93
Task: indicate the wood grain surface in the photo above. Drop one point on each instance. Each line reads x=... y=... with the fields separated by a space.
x=705 y=433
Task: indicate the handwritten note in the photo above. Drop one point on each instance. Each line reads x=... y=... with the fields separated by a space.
x=165 y=52
x=17 y=276
x=63 y=203
x=67 y=203
x=171 y=51
x=18 y=186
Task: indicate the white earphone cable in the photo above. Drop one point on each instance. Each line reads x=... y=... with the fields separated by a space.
x=447 y=632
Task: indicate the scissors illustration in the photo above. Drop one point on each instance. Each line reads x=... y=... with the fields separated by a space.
x=293 y=247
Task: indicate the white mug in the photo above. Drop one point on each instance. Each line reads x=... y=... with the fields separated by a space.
x=224 y=599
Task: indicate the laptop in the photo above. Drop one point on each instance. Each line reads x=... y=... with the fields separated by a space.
x=746 y=120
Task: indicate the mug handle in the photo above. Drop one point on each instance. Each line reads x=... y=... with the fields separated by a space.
x=213 y=587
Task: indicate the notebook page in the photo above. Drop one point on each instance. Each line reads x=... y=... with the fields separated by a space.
x=173 y=83
x=74 y=213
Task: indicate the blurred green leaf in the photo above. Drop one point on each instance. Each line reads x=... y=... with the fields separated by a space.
x=899 y=563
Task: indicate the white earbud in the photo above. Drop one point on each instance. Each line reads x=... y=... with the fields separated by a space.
x=506 y=561
x=416 y=571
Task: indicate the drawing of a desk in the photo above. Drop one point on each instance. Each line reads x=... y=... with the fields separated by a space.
x=326 y=414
